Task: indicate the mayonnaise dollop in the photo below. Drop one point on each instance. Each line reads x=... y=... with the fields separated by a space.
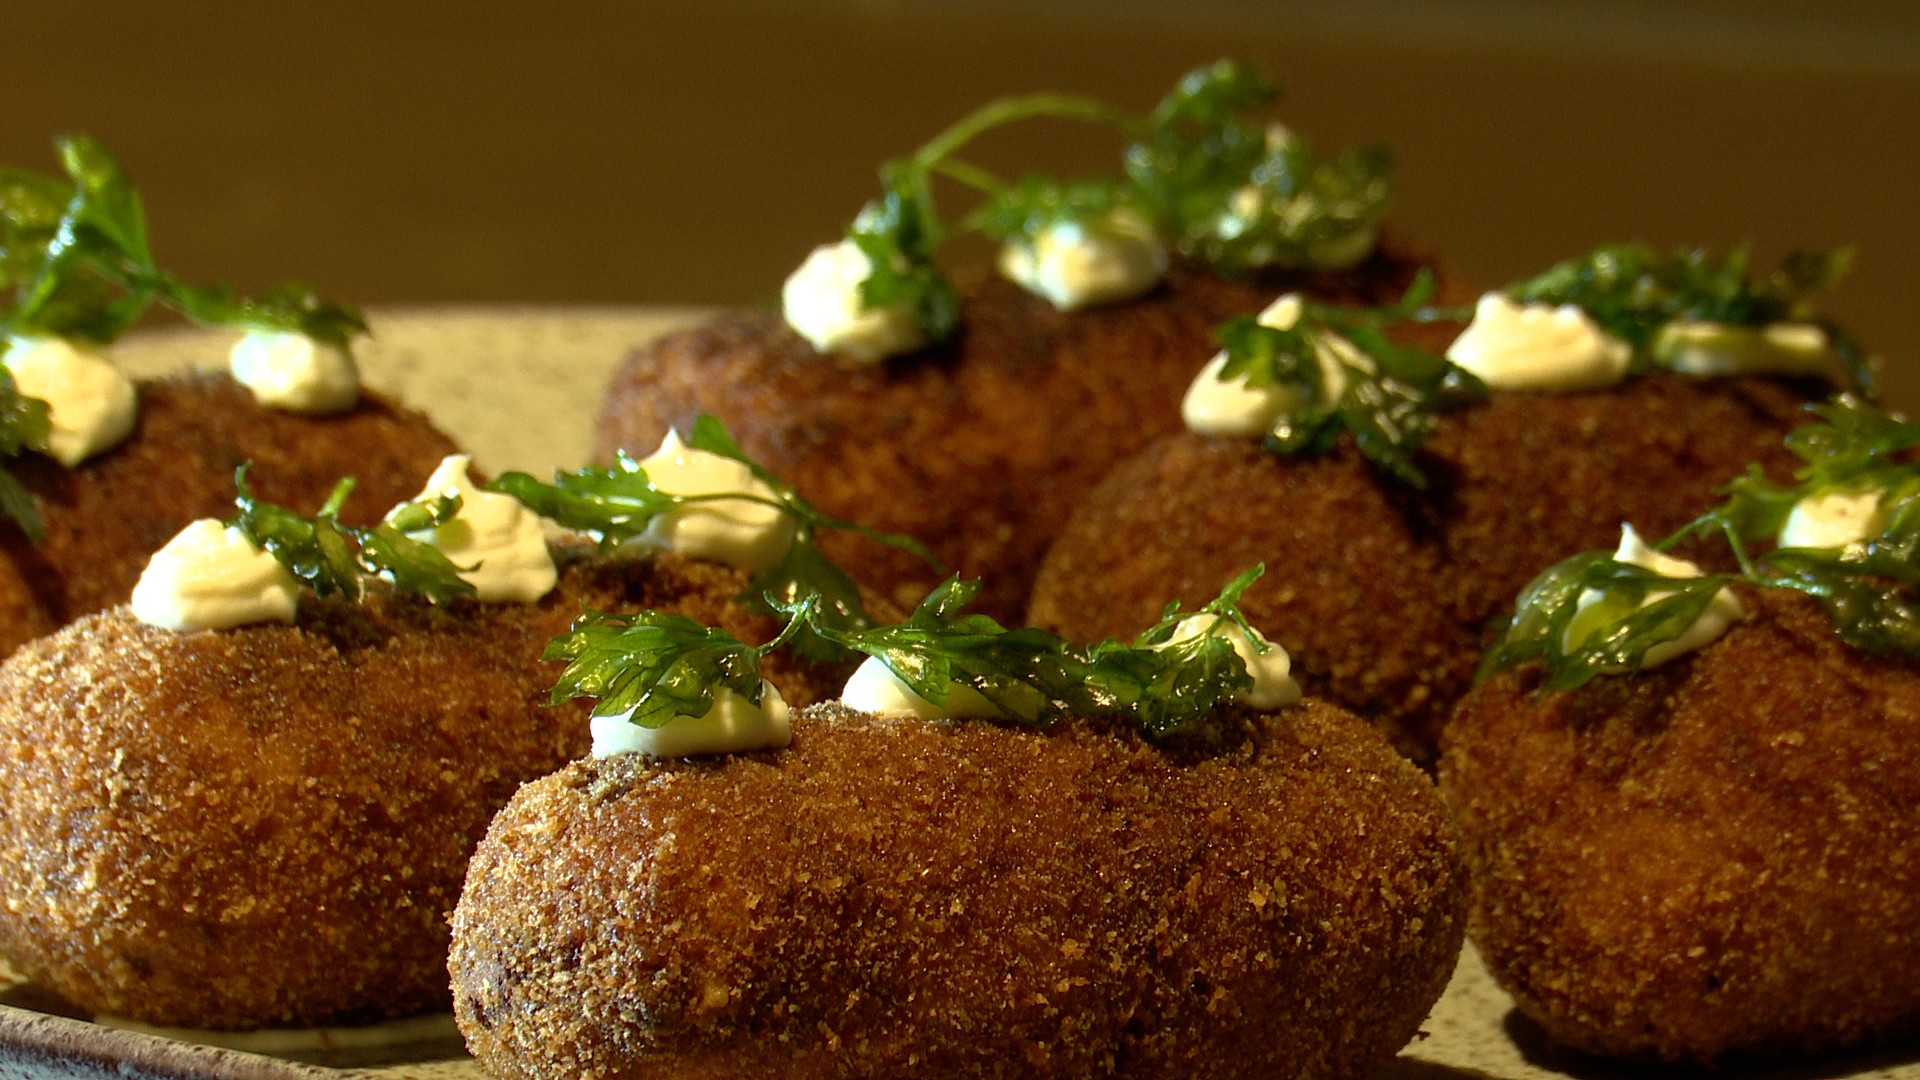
x=1213 y=406
x=291 y=371
x=1721 y=612
x=1832 y=519
x=90 y=403
x=734 y=725
x=210 y=577
x=1514 y=346
x=500 y=545
x=874 y=688
x=1268 y=664
x=821 y=301
x=1076 y=264
x=1711 y=348
x=739 y=532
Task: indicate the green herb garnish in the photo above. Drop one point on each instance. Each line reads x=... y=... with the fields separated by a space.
x=1637 y=295
x=651 y=667
x=1344 y=374
x=1212 y=179
x=1870 y=589
x=331 y=557
x=80 y=266
x=23 y=425
x=1238 y=194
x=616 y=503
x=658 y=666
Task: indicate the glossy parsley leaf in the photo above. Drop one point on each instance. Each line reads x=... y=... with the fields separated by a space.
x=1634 y=292
x=80 y=264
x=330 y=557
x=1632 y=610
x=651 y=667
x=24 y=425
x=1238 y=194
x=619 y=502
x=1343 y=374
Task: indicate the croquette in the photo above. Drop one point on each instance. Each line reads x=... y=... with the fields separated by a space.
x=892 y=897
x=105 y=517
x=1712 y=860
x=978 y=448
x=267 y=826
x=1380 y=591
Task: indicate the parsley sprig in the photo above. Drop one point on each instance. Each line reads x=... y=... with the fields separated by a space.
x=80 y=265
x=23 y=424
x=1637 y=294
x=1388 y=396
x=1201 y=167
x=616 y=503
x=330 y=557
x=652 y=667
x=1870 y=589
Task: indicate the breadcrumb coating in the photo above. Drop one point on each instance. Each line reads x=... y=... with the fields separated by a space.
x=107 y=516
x=267 y=826
x=1714 y=860
x=978 y=448
x=1382 y=593
x=897 y=898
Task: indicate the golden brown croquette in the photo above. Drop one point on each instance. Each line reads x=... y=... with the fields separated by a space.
x=1714 y=859
x=893 y=897
x=978 y=448
x=1380 y=591
x=267 y=826
x=108 y=515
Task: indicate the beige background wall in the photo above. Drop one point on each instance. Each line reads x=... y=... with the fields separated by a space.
x=587 y=151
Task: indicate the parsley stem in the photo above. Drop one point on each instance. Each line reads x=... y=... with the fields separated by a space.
x=974 y=177
x=1008 y=110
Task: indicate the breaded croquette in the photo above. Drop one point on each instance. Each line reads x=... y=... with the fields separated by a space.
x=105 y=517
x=267 y=826
x=1380 y=591
x=1707 y=861
x=892 y=897
x=978 y=448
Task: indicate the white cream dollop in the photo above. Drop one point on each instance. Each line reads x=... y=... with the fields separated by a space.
x=1721 y=612
x=499 y=544
x=874 y=688
x=1514 y=346
x=1695 y=347
x=1076 y=264
x=739 y=532
x=734 y=725
x=1832 y=519
x=1268 y=664
x=291 y=371
x=1216 y=406
x=90 y=402
x=210 y=577
x=821 y=301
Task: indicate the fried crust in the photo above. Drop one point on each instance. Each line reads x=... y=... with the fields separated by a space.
x=1715 y=860
x=267 y=826
x=893 y=898
x=107 y=516
x=978 y=448
x=1381 y=592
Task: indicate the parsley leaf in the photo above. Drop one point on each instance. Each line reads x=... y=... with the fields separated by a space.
x=331 y=557
x=619 y=502
x=1345 y=374
x=23 y=425
x=1637 y=294
x=78 y=258
x=1240 y=195
x=651 y=667
x=1870 y=589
